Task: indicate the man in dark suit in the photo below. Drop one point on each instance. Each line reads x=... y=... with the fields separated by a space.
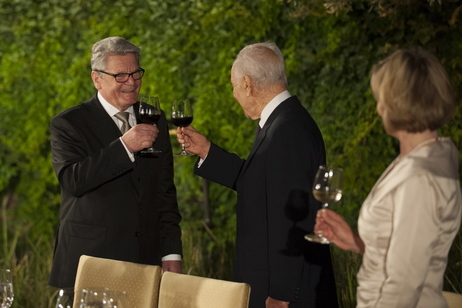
x=115 y=204
x=275 y=207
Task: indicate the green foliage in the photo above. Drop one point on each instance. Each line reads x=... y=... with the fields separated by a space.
x=187 y=50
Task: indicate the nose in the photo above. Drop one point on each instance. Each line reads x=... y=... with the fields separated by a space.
x=130 y=80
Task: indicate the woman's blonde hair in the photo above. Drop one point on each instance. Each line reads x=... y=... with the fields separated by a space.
x=415 y=90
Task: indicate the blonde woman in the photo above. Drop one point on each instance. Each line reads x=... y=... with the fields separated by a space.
x=411 y=216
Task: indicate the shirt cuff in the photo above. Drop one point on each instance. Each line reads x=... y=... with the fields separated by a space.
x=201 y=161
x=130 y=154
x=172 y=257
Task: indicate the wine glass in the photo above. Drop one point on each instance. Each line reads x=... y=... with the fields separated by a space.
x=6 y=288
x=65 y=298
x=182 y=116
x=149 y=113
x=117 y=299
x=327 y=188
x=95 y=298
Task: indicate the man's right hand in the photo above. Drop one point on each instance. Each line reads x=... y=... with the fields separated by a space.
x=194 y=141
x=140 y=137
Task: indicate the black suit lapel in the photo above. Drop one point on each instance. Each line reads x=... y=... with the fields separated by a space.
x=106 y=129
x=262 y=134
x=101 y=122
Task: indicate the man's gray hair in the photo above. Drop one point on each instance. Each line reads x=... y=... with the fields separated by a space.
x=263 y=63
x=111 y=46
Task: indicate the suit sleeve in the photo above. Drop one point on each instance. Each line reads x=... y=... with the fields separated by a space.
x=79 y=166
x=221 y=167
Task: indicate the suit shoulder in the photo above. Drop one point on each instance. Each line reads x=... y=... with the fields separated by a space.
x=296 y=114
x=75 y=112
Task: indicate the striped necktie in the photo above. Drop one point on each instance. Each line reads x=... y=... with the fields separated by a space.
x=123 y=116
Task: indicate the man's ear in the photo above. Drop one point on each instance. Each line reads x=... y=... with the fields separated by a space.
x=248 y=85
x=96 y=80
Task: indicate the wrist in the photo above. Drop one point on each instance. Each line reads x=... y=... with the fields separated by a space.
x=129 y=148
x=205 y=152
x=359 y=247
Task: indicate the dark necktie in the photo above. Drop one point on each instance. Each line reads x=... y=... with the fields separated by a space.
x=123 y=116
x=258 y=130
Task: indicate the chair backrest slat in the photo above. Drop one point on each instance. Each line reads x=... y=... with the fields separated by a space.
x=187 y=291
x=140 y=281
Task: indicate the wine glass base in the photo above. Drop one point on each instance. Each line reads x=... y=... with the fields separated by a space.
x=184 y=153
x=317 y=238
x=149 y=152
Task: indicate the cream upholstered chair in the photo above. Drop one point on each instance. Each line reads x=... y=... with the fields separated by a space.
x=454 y=300
x=140 y=281
x=187 y=291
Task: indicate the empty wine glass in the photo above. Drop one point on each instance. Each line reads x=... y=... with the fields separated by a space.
x=149 y=113
x=327 y=188
x=6 y=288
x=95 y=298
x=182 y=116
x=64 y=298
x=117 y=299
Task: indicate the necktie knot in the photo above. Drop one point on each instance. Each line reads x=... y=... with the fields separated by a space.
x=123 y=116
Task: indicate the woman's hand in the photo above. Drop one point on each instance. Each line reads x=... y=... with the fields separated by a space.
x=333 y=227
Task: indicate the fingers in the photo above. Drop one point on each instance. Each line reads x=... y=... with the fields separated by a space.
x=184 y=135
x=140 y=136
x=330 y=216
x=323 y=224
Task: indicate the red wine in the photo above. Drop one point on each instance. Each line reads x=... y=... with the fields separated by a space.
x=149 y=118
x=182 y=121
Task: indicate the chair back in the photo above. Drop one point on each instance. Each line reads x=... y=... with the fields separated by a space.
x=454 y=300
x=187 y=291
x=140 y=281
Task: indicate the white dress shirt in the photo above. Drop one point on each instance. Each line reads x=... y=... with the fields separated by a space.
x=269 y=108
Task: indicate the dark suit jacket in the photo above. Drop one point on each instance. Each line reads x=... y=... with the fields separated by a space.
x=111 y=207
x=275 y=209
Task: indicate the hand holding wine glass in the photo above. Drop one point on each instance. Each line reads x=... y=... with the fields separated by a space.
x=327 y=188
x=6 y=288
x=149 y=113
x=182 y=116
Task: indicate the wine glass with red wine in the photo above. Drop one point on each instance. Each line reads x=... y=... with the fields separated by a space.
x=182 y=116
x=149 y=113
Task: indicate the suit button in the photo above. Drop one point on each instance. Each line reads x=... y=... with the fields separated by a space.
x=137 y=234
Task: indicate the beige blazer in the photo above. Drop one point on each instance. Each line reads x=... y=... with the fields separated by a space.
x=408 y=223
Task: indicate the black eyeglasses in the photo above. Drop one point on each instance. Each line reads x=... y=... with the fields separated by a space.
x=123 y=77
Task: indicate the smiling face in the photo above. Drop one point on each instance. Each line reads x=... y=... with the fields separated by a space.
x=120 y=95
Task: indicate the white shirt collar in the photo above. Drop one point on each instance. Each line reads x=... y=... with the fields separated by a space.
x=111 y=110
x=269 y=108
